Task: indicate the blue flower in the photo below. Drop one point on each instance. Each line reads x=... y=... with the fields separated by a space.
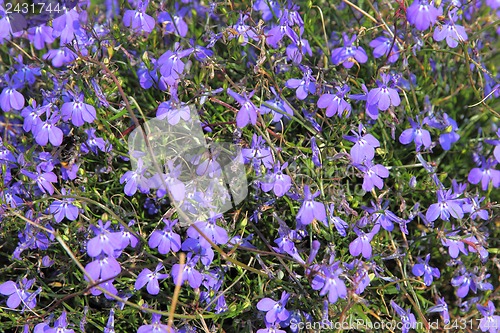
x=303 y=86
x=328 y=280
x=336 y=104
x=135 y=179
x=423 y=268
x=60 y=326
x=175 y=24
x=311 y=209
x=138 y=20
x=447 y=205
x=18 y=293
x=248 y=111
x=189 y=273
x=361 y=245
x=422 y=14
x=10 y=98
x=151 y=279
x=156 y=326
x=165 y=240
x=417 y=134
x=78 y=111
x=275 y=310
x=490 y=322
x=348 y=54
x=382 y=47
x=384 y=96
x=105 y=241
x=407 y=318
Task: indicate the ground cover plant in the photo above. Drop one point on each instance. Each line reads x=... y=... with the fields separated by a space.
x=370 y=144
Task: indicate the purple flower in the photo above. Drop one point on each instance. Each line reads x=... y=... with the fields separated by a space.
x=138 y=20
x=473 y=206
x=172 y=66
x=450 y=31
x=271 y=328
x=442 y=308
x=485 y=174
x=422 y=15
x=311 y=209
x=382 y=47
x=103 y=267
x=336 y=104
x=328 y=280
x=60 y=57
x=277 y=181
x=370 y=110
x=383 y=96
x=66 y=26
x=78 y=111
x=276 y=34
x=60 y=326
x=128 y=238
x=244 y=31
x=277 y=107
x=407 y=318
x=454 y=244
x=382 y=215
x=169 y=184
x=267 y=8
x=490 y=322
x=361 y=245
x=156 y=326
x=348 y=54
x=44 y=180
x=464 y=282
x=64 y=208
x=423 y=268
x=41 y=35
x=46 y=131
x=18 y=293
x=151 y=279
x=286 y=240
x=416 y=134
x=303 y=86
x=364 y=146
x=106 y=285
x=25 y=73
x=372 y=175
x=10 y=98
x=110 y=325
x=275 y=310
x=205 y=253
x=211 y=230
x=173 y=112
x=340 y=225
x=166 y=240
x=248 y=111
x=258 y=153
x=475 y=247
x=135 y=179
x=174 y=24
x=316 y=153
x=189 y=273
x=31 y=115
x=104 y=241
x=450 y=135
x=93 y=143
x=496 y=151
x=447 y=205
x=298 y=49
